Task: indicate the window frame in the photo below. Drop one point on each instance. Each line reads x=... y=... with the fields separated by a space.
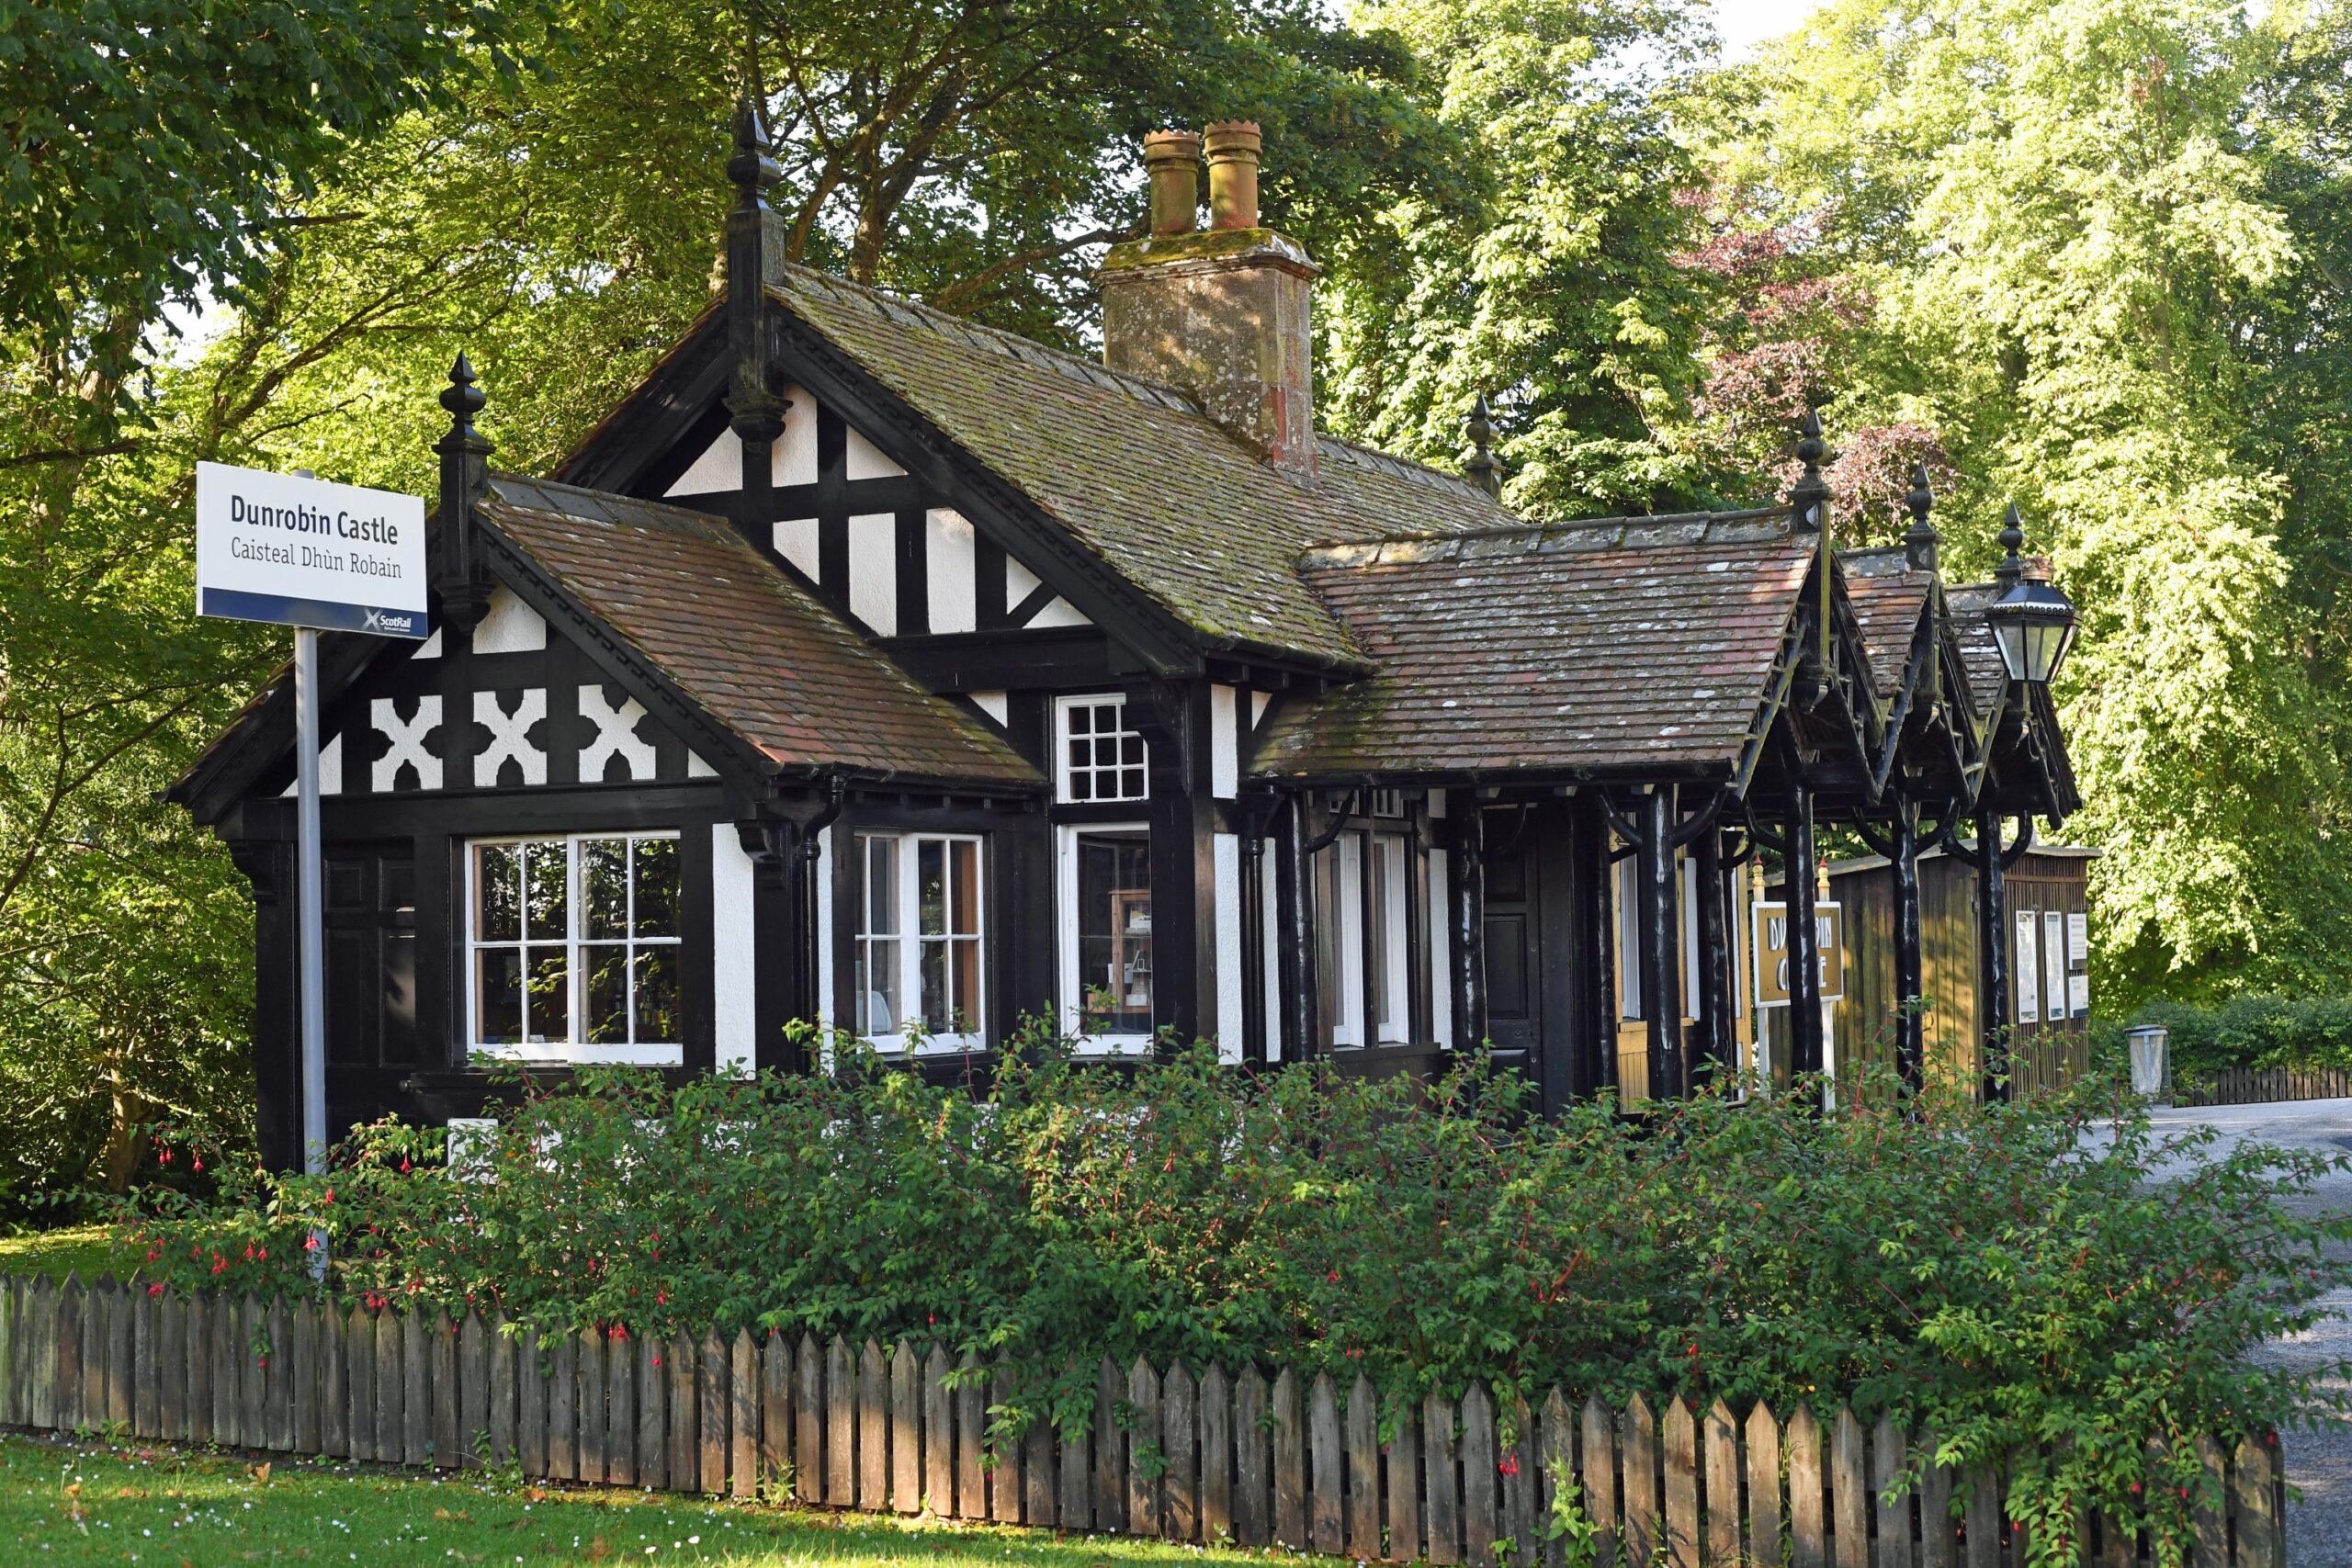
x=1068 y=1000
x=910 y=938
x=572 y=1050
x=1064 y=706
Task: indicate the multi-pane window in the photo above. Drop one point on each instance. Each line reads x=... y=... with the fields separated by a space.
x=1113 y=933
x=573 y=946
x=919 y=956
x=1102 y=758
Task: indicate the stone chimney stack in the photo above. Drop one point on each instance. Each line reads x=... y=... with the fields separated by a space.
x=1222 y=312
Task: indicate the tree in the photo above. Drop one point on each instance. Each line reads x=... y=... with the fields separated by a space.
x=1553 y=289
x=2095 y=235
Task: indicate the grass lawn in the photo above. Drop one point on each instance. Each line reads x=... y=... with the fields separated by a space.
x=61 y=1252
x=68 y=1502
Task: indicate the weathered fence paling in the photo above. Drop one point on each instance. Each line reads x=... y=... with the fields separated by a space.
x=1215 y=1456
x=2257 y=1086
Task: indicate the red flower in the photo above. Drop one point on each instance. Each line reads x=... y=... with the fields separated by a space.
x=656 y=1359
x=310 y=1243
x=1333 y=1277
x=156 y=1289
x=199 y=1162
x=403 y=1165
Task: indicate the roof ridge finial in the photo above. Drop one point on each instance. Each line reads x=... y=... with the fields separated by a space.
x=464 y=594
x=753 y=165
x=2012 y=568
x=1809 y=497
x=1481 y=469
x=1920 y=544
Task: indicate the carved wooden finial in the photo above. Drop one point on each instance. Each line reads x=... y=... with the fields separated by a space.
x=1809 y=497
x=2012 y=567
x=463 y=591
x=1920 y=544
x=1481 y=468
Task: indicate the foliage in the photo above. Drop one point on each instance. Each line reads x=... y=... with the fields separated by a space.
x=1555 y=292
x=2299 y=1034
x=2008 y=1275
x=2095 y=259
x=152 y=148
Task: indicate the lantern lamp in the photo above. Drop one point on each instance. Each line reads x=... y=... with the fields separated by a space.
x=2033 y=622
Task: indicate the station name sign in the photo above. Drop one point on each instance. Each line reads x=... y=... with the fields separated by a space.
x=306 y=552
x=1772 y=952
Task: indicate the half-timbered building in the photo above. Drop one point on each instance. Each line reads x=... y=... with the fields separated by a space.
x=875 y=671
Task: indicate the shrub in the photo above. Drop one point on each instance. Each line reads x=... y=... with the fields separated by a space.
x=2011 y=1276
x=2300 y=1033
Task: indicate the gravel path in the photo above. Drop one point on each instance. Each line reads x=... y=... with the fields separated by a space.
x=2319 y=1527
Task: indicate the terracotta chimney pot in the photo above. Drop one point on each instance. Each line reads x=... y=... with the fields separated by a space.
x=1233 y=146
x=1172 y=159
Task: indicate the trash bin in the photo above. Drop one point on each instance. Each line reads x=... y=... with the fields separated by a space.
x=2151 y=1064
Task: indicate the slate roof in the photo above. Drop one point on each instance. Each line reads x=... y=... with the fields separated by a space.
x=1137 y=473
x=755 y=649
x=1625 y=644
x=1979 y=654
x=1888 y=599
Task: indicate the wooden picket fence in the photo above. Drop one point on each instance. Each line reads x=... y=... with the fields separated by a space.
x=2255 y=1086
x=1220 y=1457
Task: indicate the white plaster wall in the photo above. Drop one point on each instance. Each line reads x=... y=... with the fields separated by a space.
x=1225 y=768
x=865 y=461
x=1226 y=851
x=795 y=541
x=1269 y=923
x=510 y=626
x=734 y=953
x=1441 y=954
x=873 y=570
x=951 y=571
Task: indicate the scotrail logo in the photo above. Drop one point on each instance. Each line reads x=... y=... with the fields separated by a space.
x=390 y=621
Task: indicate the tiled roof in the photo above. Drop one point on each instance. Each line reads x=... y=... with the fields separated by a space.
x=1137 y=473
x=755 y=649
x=1888 y=598
x=1979 y=654
x=1632 y=643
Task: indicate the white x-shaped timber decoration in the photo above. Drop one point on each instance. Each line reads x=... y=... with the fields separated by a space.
x=510 y=737
x=616 y=736
x=408 y=738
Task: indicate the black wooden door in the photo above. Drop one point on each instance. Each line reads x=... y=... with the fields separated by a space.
x=370 y=918
x=1514 y=937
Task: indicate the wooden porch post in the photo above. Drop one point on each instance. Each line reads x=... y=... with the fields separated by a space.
x=1661 y=956
x=1992 y=955
x=1294 y=907
x=1714 y=951
x=1804 y=952
x=1910 y=1027
x=1467 y=892
x=1592 y=1049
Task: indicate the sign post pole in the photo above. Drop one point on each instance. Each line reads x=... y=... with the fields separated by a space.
x=310 y=914
x=290 y=549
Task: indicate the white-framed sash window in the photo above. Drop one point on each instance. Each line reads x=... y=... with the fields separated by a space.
x=1098 y=756
x=920 y=958
x=573 y=947
x=1102 y=908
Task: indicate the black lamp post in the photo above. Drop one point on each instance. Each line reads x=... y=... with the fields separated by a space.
x=2033 y=622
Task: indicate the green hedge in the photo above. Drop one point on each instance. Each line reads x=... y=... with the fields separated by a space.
x=2299 y=1034
x=2050 y=1275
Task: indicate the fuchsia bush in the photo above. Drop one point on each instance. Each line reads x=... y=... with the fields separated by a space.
x=2007 y=1275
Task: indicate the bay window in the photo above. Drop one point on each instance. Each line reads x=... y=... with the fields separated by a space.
x=918 y=957
x=573 y=947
